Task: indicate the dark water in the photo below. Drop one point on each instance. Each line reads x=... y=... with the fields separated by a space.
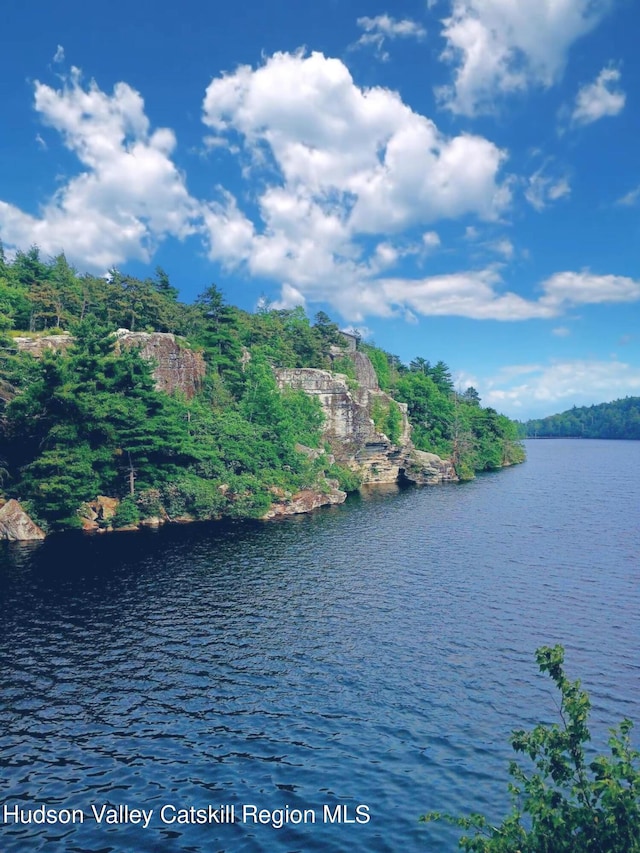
x=377 y=653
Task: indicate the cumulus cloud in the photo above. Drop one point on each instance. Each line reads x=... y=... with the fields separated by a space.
x=340 y=166
x=59 y=54
x=377 y=30
x=584 y=288
x=600 y=98
x=558 y=386
x=128 y=196
x=481 y=295
x=499 y=47
x=475 y=294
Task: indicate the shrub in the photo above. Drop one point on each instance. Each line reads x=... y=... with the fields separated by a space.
x=568 y=804
x=348 y=480
x=127 y=513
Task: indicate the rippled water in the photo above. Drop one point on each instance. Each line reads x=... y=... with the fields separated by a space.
x=377 y=653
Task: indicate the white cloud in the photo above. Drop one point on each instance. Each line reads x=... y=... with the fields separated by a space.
x=59 y=54
x=557 y=386
x=338 y=165
x=343 y=173
x=480 y=295
x=377 y=30
x=431 y=239
x=584 y=288
x=631 y=198
x=561 y=332
x=475 y=294
x=500 y=47
x=129 y=195
x=503 y=247
x=290 y=297
x=600 y=98
x=543 y=188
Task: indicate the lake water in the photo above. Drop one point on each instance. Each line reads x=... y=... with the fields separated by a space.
x=376 y=654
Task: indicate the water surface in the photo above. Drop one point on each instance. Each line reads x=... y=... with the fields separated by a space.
x=377 y=653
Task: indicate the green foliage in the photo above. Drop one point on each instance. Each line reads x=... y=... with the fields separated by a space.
x=190 y=495
x=149 y=503
x=344 y=364
x=619 y=419
x=454 y=425
x=127 y=513
x=567 y=802
x=393 y=424
x=59 y=480
x=89 y=421
x=303 y=416
x=387 y=419
x=431 y=412
x=348 y=480
x=380 y=361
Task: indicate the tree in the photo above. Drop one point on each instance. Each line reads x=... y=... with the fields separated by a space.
x=420 y=365
x=441 y=375
x=567 y=804
x=164 y=287
x=471 y=396
x=91 y=422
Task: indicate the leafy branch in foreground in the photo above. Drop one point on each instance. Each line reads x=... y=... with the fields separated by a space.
x=568 y=804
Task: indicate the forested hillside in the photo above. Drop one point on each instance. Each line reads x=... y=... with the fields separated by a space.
x=89 y=420
x=619 y=419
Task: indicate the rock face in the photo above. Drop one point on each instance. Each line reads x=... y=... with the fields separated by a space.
x=37 y=345
x=365 y=372
x=351 y=432
x=15 y=524
x=176 y=368
x=305 y=501
x=427 y=469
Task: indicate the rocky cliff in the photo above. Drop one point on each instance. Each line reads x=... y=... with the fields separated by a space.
x=349 y=407
x=176 y=367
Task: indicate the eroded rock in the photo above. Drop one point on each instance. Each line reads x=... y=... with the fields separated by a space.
x=349 y=427
x=15 y=524
x=305 y=501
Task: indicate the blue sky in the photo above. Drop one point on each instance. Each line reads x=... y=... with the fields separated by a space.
x=459 y=179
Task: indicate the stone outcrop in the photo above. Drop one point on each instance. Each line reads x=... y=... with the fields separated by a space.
x=365 y=372
x=427 y=469
x=98 y=514
x=305 y=501
x=349 y=428
x=37 y=344
x=176 y=367
x=15 y=524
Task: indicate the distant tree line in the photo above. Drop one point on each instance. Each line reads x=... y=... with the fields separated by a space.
x=619 y=419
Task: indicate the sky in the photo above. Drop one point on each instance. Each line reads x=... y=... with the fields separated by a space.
x=457 y=179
